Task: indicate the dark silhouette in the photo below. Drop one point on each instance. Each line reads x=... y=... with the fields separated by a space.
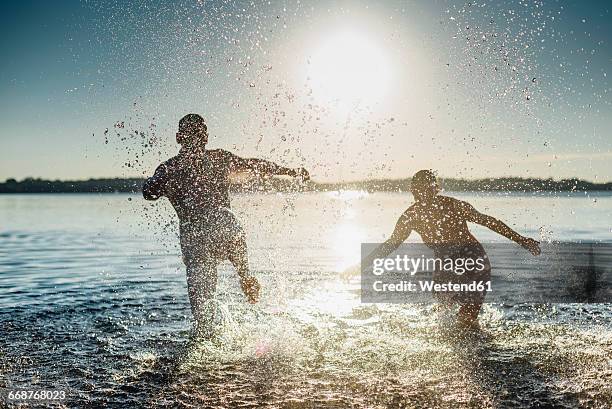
x=196 y=182
x=441 y=221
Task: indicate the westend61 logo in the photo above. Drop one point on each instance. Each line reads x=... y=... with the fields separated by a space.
x=493 y=272
x=433 y=287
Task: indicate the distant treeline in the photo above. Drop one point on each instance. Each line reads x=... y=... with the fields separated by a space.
x=31 y=185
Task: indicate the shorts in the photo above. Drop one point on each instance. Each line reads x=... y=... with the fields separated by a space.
x=211 y=236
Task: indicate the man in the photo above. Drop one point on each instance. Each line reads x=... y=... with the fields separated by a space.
x=196 y=182
x=441 y=221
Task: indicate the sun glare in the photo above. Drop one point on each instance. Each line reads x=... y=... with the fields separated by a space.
x=347 y=239
x=349 y=67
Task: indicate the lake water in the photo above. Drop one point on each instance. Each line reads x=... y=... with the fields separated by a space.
x=93 y=301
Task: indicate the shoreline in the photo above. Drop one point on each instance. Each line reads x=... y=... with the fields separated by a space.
x=283 y=185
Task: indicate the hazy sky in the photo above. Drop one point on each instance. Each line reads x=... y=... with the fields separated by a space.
x=348 y=89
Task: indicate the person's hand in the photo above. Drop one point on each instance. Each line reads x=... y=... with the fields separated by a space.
x=351 y=272
x=250 y=288
x=301 y=173
x=532 y=245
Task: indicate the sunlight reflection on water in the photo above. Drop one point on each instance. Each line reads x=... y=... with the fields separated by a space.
x=95 y=300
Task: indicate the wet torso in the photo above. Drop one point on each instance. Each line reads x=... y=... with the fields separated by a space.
x=441 y=223
x=198 y=184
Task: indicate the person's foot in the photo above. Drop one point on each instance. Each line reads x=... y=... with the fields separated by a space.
x=250 y=288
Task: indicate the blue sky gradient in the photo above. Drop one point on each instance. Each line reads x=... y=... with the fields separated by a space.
x=487 y=89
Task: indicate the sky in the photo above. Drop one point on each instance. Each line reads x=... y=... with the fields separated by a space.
x=349 y=89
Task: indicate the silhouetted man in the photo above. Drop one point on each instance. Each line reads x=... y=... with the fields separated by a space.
x=441 y=221
x=196 y=181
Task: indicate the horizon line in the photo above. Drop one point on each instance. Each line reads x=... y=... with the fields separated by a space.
x=573 y=178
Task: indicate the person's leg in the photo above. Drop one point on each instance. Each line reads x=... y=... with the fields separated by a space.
x=468 y=315
x=471 y=302
x=201 y=285
x=238 y=256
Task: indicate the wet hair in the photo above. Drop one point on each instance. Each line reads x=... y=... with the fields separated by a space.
x=186 y=126
x=424 y=181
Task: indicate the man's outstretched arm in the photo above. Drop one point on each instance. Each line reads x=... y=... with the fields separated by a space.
x=402 y=230
x=263 y=167
x=499 y=227
x=155 y=186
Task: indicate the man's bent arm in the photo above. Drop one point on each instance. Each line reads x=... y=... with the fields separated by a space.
x=154 y=187
x=400 y=234
x=492 y=223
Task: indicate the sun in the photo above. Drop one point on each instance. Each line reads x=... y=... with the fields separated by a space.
x=349 y=67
